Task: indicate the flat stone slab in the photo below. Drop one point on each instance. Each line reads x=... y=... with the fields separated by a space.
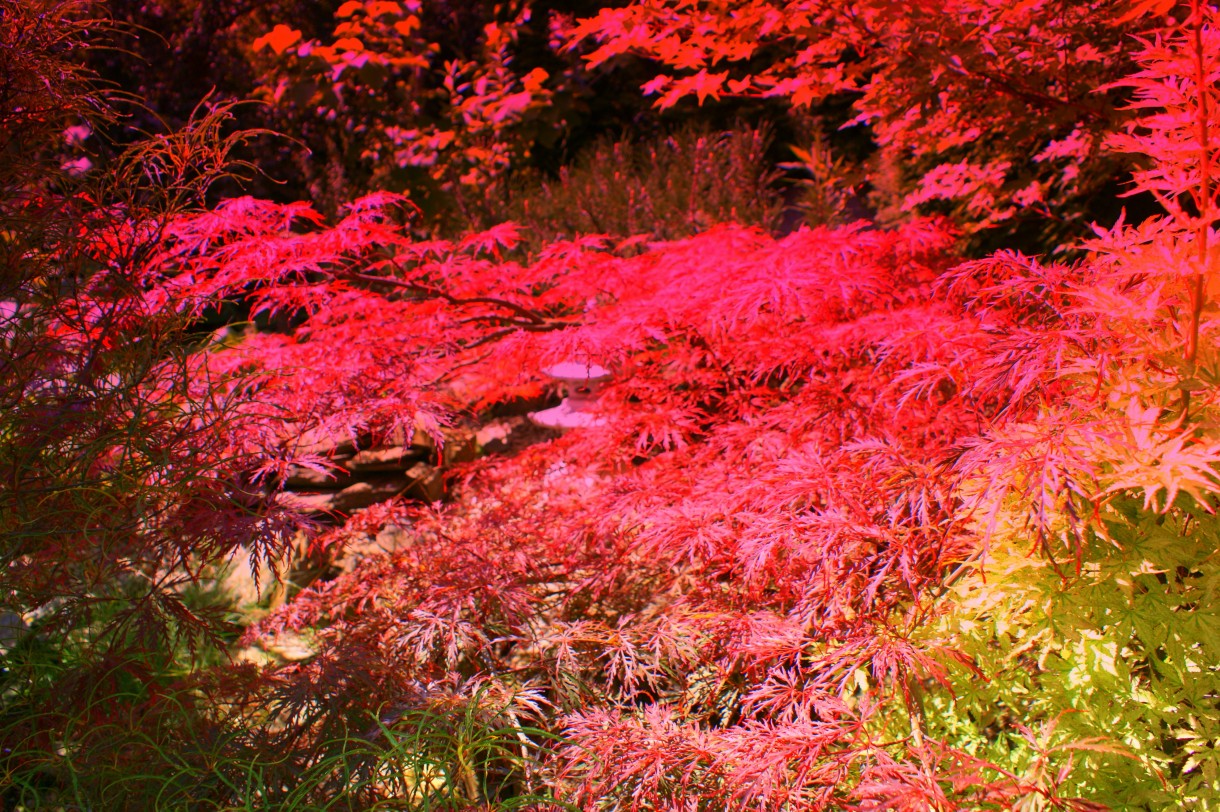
x=353 y=497
x=421 y=481
x=398 y=458
x=460 y=445
x=427 y=482
x=370 y=492
x=308 y=479
x=321 y=443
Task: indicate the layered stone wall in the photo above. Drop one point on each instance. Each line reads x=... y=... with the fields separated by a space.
x=358 y=477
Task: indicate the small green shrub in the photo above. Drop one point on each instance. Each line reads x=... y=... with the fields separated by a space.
x=194 y=745
x=666 y=188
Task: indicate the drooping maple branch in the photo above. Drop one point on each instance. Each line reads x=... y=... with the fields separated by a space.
x=527 y=319
x=1008 y=86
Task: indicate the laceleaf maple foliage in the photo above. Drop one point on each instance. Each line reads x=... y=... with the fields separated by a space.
x=124 y=475
x=674 y=556
x=729 y=592
x=746 y=553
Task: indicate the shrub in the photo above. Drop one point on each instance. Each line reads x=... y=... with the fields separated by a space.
x=666 y=188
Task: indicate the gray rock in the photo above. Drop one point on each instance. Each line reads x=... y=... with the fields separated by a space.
x=322 y=443
x=290 y=647
x=508 y=435
x=300 y=477
x=461 y=445
x=370 y=492
x=420 y=481
x=12 y=629
x=427 y=482
x=398 y=458
x=309 y=502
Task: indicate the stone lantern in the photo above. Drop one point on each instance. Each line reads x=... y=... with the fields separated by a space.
x=580 y=383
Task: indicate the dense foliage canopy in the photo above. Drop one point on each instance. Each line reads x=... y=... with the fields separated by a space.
x=866 y=517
